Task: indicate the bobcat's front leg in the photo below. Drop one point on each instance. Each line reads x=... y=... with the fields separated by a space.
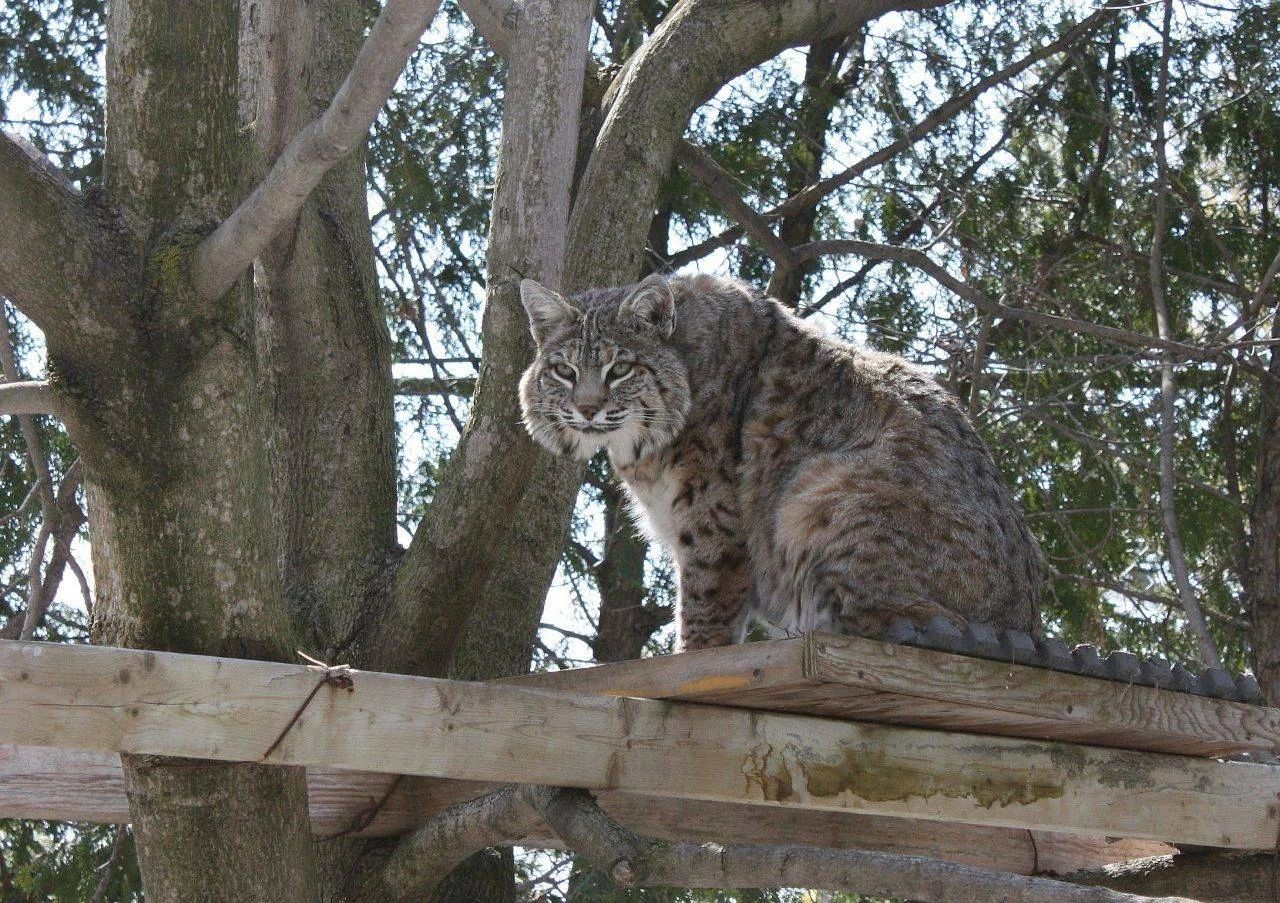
x=688 y=494
x=712 y=608
x=715 y=574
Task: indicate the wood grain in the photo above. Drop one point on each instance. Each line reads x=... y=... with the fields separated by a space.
x=86 y=786
x=145 y=702
x=866 y=680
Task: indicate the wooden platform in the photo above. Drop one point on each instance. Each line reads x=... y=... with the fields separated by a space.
x=866 y=680
x=755 y=757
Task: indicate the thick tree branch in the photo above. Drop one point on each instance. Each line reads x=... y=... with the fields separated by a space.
x=28 y=397
x=62 y=261
x=422 y=858
x=474 y=515
x=1201 y=876
x=495 y=21
x=708 y=44
x=511 y=813
x=223 y=256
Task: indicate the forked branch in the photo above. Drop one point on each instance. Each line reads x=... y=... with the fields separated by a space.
x=340 y=129
x=942 y=114
x=935 y=119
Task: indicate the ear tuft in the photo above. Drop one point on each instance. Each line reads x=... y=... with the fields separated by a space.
x=547 y=311
x=652 y=305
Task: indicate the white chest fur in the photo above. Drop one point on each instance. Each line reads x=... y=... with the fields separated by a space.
x=653 y=492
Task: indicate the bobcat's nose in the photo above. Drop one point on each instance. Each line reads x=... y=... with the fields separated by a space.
x=589 y=411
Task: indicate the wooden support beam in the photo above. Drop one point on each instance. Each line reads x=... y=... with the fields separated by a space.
x=867 y=680
x=86 y=786
x=124 y=700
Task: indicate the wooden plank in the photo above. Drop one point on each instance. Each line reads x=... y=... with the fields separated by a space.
x=999 y=698
x=180 y=705
x=866 y=680
x=730 y=672
x=86 y=786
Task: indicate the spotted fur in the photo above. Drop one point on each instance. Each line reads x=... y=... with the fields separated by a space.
x=810 y=483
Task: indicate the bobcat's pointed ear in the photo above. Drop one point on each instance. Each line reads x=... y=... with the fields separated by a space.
x=652 y=305
x=547 y=311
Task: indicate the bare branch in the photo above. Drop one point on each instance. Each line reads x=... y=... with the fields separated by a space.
x=941 y=115
x=37 y=598
x=1168 y=387
x=35 y=447
x=1110 y=450
x=61 y=521
x=921 y=261
x=937 y=118
x=32 y=494
x=720 y=184
x=26 y=397
x=459 y=386
x=62 y=262
x=223 y=256
x=108 y=868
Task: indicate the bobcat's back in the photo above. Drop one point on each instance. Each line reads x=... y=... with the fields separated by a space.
x=871 y=497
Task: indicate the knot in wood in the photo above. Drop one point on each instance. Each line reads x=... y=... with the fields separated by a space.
x=623 y=873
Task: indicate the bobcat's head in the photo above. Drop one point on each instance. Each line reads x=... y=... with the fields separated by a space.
x=605 y=373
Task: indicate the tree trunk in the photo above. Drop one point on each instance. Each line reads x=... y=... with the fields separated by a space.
x=626 y=622
x=321 y=335
x=183 y=549
x=822 y=91
x=1263 y=575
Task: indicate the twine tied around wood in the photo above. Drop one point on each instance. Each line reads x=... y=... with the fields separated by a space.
x=366 y=817
x=336 y=676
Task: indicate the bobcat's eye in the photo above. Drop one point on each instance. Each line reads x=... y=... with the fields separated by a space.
x=564 y=371
x=620 y=369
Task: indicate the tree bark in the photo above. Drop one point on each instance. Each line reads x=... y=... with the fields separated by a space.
x=321 y=337
x=626 y=622
x=822 y=91
x=76 y=286
x=1221 y=877
x=183 y=549
x=1263 y=574
x=450 y=564
x=327 y=138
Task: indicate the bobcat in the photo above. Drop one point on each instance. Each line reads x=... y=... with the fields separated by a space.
x=813 y=484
